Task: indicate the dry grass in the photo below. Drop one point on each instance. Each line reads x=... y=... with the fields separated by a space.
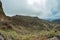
x=43 y=35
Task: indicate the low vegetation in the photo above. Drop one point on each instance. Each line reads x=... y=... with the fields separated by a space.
x=42 y=35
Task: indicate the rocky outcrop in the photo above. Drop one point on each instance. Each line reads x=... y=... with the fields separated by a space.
x=54 y=38
x=2 y=14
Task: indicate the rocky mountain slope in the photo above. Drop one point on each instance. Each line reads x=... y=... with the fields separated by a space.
x=2 y=14
x=26 y=28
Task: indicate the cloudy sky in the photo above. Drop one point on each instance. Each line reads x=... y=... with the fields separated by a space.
x=45 y=9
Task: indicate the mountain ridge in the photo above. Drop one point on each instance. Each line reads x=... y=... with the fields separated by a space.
x=56 y=21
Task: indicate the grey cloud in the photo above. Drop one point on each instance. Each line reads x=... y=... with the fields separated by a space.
x=50 y=10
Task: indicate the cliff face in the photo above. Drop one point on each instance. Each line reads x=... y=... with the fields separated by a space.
x=2 y=15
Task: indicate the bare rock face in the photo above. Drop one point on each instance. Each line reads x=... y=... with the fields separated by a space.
x=54 y=38
x=2 y=15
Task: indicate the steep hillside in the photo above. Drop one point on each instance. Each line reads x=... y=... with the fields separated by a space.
x=2 y=14
x=31 y=22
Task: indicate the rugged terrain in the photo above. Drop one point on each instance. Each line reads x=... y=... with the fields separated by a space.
x=27 y=28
